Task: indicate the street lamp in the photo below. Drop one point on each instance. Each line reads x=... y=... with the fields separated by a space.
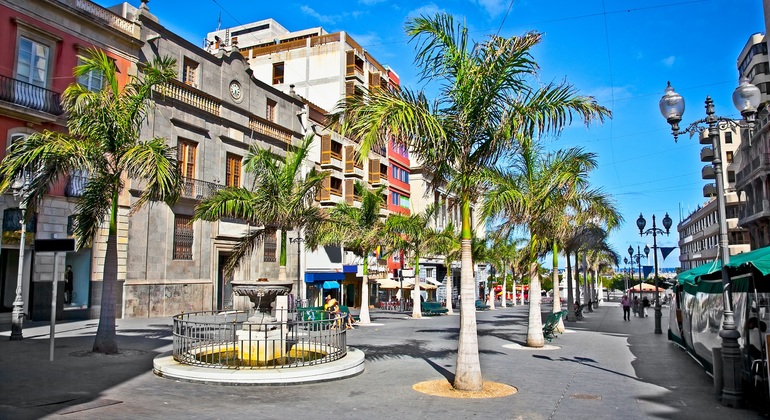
x=20 y=189
x=654 y=231
x=298 y=240
x=638 y=258
x=625 y=261
x=746 y=99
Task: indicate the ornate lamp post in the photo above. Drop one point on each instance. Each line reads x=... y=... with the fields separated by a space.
x=17 y=315
x=654 y=231
x=625 y=261
x=746 y=99
x=298 y=240
x=638 y=258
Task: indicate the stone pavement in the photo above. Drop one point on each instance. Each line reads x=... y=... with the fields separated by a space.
x=603 y=368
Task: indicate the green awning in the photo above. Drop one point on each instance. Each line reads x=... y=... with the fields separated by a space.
x=743 y=263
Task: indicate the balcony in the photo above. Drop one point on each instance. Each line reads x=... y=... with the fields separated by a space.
x=706 y=154
x=189 y=95
x=708 y=172
x=197 y=189
x=709 y=190
x=27 y=95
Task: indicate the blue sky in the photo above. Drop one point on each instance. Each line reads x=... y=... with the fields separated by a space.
x=620 y=51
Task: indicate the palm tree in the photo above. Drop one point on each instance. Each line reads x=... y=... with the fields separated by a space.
x=485 y=104
x=529 y=194
x=600 y=256
x=279 y=199
x=414 y=234
x=359 y=230
x=103 y=141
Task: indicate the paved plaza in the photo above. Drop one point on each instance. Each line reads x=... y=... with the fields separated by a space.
x=601 y=368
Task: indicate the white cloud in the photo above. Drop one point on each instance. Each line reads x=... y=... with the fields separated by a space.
x=669 y=61
x=330 y=19
x=493 y=7
x=429 y=9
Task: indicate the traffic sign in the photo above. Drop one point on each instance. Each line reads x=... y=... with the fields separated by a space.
x=54 y=245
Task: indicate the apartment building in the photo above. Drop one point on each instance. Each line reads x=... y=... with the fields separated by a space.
x=699 y=231
x=42 y=40
x=752 y=181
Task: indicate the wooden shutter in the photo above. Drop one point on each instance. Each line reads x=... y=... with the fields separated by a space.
x=350 y=63
x=374 y=81
x=186 y=158
x=233 y=171
x=350 y=186
x=326 y=149
x=350 y=159
x=326 y=189
x=374 y=171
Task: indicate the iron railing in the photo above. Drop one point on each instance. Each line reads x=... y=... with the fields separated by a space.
x=198 y=189
x=224 y=340
x=30 y=96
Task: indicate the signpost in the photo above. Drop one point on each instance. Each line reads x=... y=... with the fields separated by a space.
x=55 y=246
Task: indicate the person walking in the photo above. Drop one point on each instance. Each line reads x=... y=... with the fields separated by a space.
x=626 y=303
x=636 y=307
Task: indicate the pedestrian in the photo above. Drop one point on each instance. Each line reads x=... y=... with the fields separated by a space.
x=645 y=305
x=636 y=306
x=68 y=285
x=626 y=308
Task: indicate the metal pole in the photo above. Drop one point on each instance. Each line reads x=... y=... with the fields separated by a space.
x=732 y=392
x=17 y=315
x=658 y=313
x=54 y=293
x=639 y=264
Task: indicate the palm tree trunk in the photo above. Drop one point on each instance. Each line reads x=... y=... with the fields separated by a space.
x=416 y=302
x=282 y=259
x=513 y=279
x=363 y=315
x=106 y=340
x=577 y=276
x=587 y=284
x=491 y=297
x=468 y=374
x=570 y=306
x=535 y=325
x=449 y=287
x=505 y=290
x=556 y=289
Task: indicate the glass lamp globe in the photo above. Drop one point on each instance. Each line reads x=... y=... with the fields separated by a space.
x=746 y=97
x=671 y=105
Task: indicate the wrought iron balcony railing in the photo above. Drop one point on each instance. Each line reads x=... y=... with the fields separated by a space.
x=198 y=189
x=28 y=95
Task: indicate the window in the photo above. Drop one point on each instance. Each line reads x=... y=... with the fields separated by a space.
x=429 y=272
x=233 y=171
x=278 y=70
x=186 y=157
x=183 y=237
x=730 y=176
x=394 y=198
x=729 y=157
x=270 y=110
x=32 y=62
x=93 y=80
x=728 y=137
x=190 y=74
x=271 y=245
x=336 y=150
x=335 y=186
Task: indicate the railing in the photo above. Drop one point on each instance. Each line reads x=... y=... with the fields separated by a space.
x=105 y=15
x=30 y=96
x=225 y=340
x=190 y=96
x=76 y=185
x=265 y=128
x=198 y=189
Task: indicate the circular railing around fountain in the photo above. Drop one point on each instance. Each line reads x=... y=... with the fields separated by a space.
x=228 y=340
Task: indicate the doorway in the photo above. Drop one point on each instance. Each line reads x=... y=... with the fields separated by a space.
x=224 y=285
x=8 y=278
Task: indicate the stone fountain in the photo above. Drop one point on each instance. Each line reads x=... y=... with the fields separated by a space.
x=263 y=337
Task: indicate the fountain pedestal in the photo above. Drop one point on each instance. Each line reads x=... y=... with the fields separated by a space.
x=263 y=337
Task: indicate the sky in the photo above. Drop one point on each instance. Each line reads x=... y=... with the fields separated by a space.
x=622 y=52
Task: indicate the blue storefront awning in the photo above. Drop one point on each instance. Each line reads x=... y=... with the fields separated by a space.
x=318 y=277
x=349 y=268
x=330 y=285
